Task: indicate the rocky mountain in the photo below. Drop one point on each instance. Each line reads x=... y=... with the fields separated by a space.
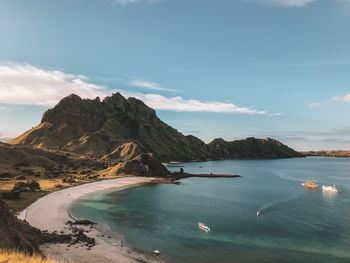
x=98 y=128
x=122 y=129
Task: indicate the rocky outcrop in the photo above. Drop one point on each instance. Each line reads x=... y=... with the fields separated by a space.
x=142 y=165
x=20 y=236
x=121 y=129
x=125 y=152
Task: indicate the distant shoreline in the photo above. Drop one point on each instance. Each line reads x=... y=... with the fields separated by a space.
x=51 y=212
x=333 y=153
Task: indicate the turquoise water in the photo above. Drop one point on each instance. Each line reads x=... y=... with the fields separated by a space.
x=296 y=225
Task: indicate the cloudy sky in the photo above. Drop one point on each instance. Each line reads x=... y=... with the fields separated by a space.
x=223 y=68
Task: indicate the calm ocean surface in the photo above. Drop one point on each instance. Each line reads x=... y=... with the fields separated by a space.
x=297 y=225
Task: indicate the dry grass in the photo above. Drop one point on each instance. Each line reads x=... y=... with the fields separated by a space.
x=27 y=198
x=6 y=185
x=45 y=184
x=18 y=257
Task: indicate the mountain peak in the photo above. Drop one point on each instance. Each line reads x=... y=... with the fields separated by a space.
x=72 y=96
x=68 y=106
x=116 y=99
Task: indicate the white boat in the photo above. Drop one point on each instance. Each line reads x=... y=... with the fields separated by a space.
x=204 y=227
x=258 y=213
x=329 y=188
x=156 y=252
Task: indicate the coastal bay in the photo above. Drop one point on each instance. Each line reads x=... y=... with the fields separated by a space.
x=295 y=225
x=51 y=212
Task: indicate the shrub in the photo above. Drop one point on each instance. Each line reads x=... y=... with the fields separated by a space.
x=21 y=164
x=12 y=195
x=69 y=180
x=27 y=186
x=5 y=175
x=28 y=171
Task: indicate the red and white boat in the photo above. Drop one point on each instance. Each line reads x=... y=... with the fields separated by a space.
x=203 y=227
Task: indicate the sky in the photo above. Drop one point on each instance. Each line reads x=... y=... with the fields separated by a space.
x=223 y=68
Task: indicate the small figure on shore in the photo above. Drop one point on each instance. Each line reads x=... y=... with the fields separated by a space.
x=182 y=170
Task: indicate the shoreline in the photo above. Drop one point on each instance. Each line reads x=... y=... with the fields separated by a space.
x=51 y=212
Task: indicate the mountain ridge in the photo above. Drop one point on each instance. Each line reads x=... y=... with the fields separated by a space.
x=98 y=128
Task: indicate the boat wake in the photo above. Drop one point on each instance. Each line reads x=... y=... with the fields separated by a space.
x=276 y=206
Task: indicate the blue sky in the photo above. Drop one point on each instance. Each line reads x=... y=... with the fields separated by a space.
x=224 y=68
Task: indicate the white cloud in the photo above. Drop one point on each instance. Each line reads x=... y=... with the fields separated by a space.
x=123 y=2
x=29 y=85
x=345 y=98
x=180 y=104
x=330 y=102
x=275 y=114
x=290 y=3
x=315 y=105
x=6 y=136
x=128 y=2
x=285 y=3
x=141 y=83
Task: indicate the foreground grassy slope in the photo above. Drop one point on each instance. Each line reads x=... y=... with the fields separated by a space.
x=18 y=257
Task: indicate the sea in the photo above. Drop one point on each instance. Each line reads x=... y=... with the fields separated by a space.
x=295 y=225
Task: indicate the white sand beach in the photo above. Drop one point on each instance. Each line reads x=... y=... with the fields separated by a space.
x=52 y=212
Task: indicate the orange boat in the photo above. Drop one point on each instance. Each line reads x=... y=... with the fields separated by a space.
x=310 y=185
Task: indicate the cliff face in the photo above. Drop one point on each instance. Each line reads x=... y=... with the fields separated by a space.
x=18 y=235
x=119 y=128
